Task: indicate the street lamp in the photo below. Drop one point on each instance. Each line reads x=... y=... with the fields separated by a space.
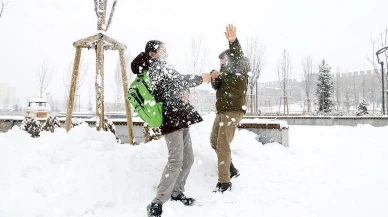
x=382 y=50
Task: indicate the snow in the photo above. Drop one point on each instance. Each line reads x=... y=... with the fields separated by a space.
x=326 y=171
x=283 y=124
x=99 y=80
x=38 y=99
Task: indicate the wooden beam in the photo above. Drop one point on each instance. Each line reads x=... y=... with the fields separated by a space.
x=91 y=42
x=73 y=88
x=125 y=88
x=99 y=85
x=86 y=41
x=114 y=42
x=110 y=47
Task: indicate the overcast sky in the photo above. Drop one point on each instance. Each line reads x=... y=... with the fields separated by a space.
x=33 y=31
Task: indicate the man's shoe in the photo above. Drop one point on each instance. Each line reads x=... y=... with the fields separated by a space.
x=185 y=200
x=221 y=187
x=234 y=173
x=154 y=210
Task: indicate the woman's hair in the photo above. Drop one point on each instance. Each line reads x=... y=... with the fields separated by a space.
x=153 y=46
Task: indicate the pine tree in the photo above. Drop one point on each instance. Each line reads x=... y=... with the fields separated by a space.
x=362 y=109
x=325 y=89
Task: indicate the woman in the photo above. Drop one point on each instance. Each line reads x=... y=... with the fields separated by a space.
x=170 y=88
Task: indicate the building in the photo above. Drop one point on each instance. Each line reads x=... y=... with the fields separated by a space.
x=204 y=101
x=7 y=96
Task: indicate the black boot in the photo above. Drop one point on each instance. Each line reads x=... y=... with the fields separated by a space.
x=234 y=173
x=221 y=187
x=185 y=200
x=154 y=210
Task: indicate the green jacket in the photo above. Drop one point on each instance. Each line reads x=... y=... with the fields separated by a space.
x=231 y=86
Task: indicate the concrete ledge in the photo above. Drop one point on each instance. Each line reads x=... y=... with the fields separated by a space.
x=267 y=131
x=376 y=121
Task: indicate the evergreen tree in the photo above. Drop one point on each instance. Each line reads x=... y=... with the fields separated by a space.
x=362 y=109
x=325 y=89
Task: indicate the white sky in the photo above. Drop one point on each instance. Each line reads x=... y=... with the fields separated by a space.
x=36 y=30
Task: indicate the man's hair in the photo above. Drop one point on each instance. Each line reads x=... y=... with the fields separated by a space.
x=225 y=53
x=153 y=46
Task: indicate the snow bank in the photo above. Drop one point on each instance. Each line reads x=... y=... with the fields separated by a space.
x=328 y=171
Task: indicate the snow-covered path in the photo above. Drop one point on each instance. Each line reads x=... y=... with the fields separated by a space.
x=327 y=171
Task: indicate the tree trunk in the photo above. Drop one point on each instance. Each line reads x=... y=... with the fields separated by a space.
x=100 y=85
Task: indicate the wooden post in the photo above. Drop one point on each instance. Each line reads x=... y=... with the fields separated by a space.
x=99 y=85
x=125 y=89
x=73 y=88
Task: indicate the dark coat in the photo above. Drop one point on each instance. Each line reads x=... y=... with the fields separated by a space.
x=231 y=86
x=168 y=86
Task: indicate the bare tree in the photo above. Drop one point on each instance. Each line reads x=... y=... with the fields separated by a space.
x=257 y=56
x=196 y=56
x=83 y=70
x=118 y=82
x=90 y=96
x=4 y=5
x=284 y=71
x=118 y=86
x=307 y=64
x=380 y=42
x=372 y=59
x=337 y=88
x=44 y=76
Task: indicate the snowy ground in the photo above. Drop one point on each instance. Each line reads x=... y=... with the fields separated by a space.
x=327 y=171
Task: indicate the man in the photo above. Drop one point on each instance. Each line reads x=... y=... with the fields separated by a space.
x=231 y=84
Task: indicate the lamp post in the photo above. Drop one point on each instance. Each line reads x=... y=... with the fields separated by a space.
x=382 y=50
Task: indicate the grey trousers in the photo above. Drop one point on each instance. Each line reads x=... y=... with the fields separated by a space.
x=180 y=160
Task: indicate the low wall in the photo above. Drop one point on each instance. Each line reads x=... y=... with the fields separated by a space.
x=268 y=131
x=328 y=120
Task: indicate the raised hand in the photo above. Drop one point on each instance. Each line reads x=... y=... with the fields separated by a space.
x=230 y=33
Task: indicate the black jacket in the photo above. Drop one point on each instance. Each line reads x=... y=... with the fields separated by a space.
x=168 y=86
x=231 y=86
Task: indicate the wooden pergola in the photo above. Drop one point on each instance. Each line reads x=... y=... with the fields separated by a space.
x=100 y=42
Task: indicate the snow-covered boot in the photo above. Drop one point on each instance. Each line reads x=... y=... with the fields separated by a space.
x=185 y=200
x=234 y=173
x=221 y=187
x=154 y=210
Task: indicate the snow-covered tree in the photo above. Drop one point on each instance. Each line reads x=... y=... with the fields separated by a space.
x=109 y=126
x=75 y=122
x=31 y=125
x=51 y=123
x=362 y=109
x=325 y=88
x=151 y=133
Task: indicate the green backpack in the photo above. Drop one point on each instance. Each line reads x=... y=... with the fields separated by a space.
x=140 y=96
